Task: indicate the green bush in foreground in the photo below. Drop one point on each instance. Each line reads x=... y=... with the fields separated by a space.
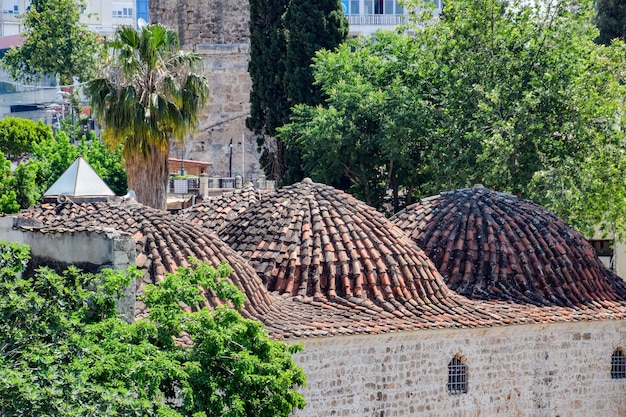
x=64 y=351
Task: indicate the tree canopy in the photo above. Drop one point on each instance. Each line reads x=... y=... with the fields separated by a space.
x=48 y=157
x=56 y=43
x=513 y=95
x=149 y=94
x=610 y=20
x=65 y=351
x=18 y=135
x=284 y=36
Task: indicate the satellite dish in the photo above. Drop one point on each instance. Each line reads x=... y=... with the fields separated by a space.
x=62 y=198
x=141 y=23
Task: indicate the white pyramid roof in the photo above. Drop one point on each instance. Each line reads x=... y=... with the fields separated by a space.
x=80 y=180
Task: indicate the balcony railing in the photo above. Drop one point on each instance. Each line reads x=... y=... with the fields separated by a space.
x=191 y=185
x=377 y=19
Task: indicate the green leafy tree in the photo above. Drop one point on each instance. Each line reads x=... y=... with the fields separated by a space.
x=284 y=38
x=513 y=95
x=147 y=96
x=367 y=134
x=48 y=158
x=610 y=20
x=55 y=43
x=269 y=107
x=64 y=351
x=8 y=194
x=17 y=136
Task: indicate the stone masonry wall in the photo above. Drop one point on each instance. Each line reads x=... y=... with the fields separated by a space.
x=90 y=251
x=550 y=370
x=204 y=21
x=218 y=30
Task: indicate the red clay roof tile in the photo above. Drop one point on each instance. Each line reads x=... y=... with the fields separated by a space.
x=508 y=249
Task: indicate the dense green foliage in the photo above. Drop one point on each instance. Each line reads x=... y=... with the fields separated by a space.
x=57 y=154
x=610 y=20
x=147 y=95
x=285 y=34
x=8 y=194
x=268 y=104
x=64 y=350
x=56 y=43
x=515 y=96
x=18 y=135
x=48 y=158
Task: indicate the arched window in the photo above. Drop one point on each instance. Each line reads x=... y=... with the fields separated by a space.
x=618 y=364
x=457 y=376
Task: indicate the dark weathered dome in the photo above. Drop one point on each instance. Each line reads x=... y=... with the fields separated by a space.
x=490 y=245
x=163 y=243
x=311 y=240
x=215 y=211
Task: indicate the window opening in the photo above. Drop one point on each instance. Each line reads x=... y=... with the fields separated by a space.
x=10 y=7
x=618 y=364
x=122 y=10
x=604 y=251
x=457 y=376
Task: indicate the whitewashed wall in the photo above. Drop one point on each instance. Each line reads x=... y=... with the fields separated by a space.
x=552 y=370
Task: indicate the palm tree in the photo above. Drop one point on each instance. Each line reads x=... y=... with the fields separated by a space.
x=146 y=96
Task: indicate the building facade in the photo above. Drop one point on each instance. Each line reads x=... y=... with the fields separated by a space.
x=368 y=16
x=44 y=100
x=101 y=16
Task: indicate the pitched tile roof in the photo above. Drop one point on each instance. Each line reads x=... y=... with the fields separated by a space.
x=491 y=245
x=215 y=211
x=163 y=242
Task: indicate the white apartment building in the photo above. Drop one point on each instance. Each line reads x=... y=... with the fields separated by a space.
x=367 y=16
x=101 y=16
x=44 y=101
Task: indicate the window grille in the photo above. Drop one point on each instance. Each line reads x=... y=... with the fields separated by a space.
x=618 y=364
x=457 y=376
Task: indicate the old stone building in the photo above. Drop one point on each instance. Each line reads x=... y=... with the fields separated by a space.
x=383 y=334
x=218 y=30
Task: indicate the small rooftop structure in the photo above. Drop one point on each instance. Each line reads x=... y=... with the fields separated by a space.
x=190 y=166
x=491 y=245
x=79 y=181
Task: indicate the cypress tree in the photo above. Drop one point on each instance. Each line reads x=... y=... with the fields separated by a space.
x=610 y=20
x=284 y=36
x=268 y=104
x=309 y=27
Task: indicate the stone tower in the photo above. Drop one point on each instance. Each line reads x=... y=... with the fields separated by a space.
x=218 y=30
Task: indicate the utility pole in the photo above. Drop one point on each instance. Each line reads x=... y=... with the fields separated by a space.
x=230 y=159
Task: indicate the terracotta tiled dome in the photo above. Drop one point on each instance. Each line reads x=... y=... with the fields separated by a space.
x=163 y=243
x=214 y=212
x=311 y=240
x=491 y=245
